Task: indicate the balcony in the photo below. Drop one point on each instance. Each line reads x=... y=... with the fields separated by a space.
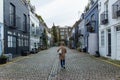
x=116 y=9
x=104 y=18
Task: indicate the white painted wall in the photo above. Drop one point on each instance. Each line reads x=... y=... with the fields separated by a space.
x=112 y=25
x=33 y=39
x=1 y=11
x=1 y=26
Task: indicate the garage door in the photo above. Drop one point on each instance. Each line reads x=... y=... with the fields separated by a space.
x=118 y=42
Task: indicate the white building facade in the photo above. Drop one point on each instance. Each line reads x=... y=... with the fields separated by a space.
x=34 y=31
x=109 y=28
x=1 y=27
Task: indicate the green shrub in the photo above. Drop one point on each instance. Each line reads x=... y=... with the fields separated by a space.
x=3 y=56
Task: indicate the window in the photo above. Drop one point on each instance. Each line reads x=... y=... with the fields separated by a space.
x=11 y=41
x=118 y=28
x=21 y=42
x=24 y=22
x=102 y=38
x=62 y=33
x=93 y=22
x=99 y=6
x=25 y=42
x=93 y=17
x=12 y=15
x=62 y=30
x=106 y=5
x=14 y=41
x=106 y=9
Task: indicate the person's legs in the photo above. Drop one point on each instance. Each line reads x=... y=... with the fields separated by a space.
x=63 y=63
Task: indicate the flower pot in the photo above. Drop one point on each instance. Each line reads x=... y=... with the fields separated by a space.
x=97 y=54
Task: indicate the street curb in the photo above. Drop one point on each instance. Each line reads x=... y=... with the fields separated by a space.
x=16 y=60
x=117 y=65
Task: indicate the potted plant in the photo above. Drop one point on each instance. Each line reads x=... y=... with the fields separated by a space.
x=97 y=54
x=79 y=49
x=3 y=59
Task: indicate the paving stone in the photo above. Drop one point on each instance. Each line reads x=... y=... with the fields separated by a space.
x=45 y=66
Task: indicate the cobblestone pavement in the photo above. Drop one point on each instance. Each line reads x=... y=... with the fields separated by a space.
x=45 y=66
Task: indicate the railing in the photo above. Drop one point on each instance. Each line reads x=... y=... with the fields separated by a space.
x=116 y=9
x=104 y=18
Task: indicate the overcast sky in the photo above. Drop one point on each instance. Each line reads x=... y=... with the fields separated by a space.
x=60 y=12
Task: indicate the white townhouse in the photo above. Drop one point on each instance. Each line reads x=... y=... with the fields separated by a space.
x=34 y=30
x=109 y=28
x=1 y=26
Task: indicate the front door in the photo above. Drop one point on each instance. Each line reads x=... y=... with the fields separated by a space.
x=109 y=42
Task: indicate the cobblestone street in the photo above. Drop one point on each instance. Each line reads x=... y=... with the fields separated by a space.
x=45 y=66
